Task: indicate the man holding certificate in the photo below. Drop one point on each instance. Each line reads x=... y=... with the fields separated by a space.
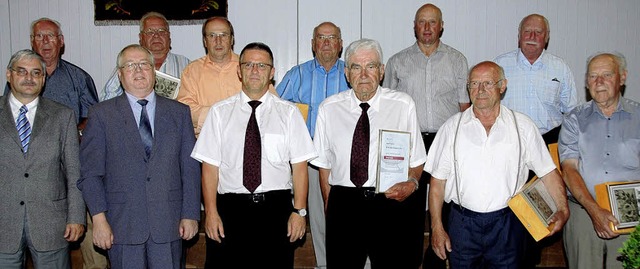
x=359 y=132
x=598 y=143
x=480 y=158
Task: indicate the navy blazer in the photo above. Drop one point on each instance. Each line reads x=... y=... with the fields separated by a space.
x=141 y=197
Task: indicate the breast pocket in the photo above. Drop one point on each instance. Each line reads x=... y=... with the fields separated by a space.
x=629 y=153
x=550 y=93
x=275 y=148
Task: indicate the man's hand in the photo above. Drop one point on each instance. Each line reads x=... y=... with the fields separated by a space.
x=188 y=228
x=213 y=227
x=296 y=227
x=601 y=219
x=559 y=220
x=73 y=232
x=102 y=234
x=400 y=191
x=440 y=242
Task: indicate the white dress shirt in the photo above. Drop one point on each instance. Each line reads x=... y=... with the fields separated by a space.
x=336 y=122
x=283 y=133
x=31 y=109
x=487 y=164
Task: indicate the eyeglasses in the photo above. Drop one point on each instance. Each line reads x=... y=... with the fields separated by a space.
x=372 y=67
x=606 y=76
x=249 y=66
x=41 y=36
x=159 y=32
x=331 y=38
x=21 y=72
x=222 y=36
x=130 y=67
x=486 y=84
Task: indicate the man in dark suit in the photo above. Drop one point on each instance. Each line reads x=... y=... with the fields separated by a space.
x=140 y=185
x=40 y=206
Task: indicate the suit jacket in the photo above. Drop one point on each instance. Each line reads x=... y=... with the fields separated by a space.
x=41 y=185
x=142 y=197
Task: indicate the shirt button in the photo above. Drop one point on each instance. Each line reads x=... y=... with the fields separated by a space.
x=607 y=153
x=21 y=202
x=26 y=174
x=148 y=179
x=606 y=172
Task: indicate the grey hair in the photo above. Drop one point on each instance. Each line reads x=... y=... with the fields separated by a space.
x=43 y=19
x=364 y=43
x=315 y=29
x=26 y=54
x=620 y=60
x=138 y=47
x=546 y=22
x=152 y=14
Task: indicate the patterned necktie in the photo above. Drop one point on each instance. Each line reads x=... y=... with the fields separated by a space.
x=360 y=149
x=24 y=128
x=251 y=171
x=145 y=128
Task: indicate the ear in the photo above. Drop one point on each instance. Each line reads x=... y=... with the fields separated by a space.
x=503 y=88
x=623 y=77
x=61 y=40
x=240 y=72
x=273 y=72
x=346 y=73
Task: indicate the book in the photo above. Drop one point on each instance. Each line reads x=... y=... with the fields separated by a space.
x=534 y=207
x=166 y=85
x=622 y=200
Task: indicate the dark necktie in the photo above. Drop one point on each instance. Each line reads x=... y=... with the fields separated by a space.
x=360 y=149
x=145 y=128
x=24 y=128
x=251 y=171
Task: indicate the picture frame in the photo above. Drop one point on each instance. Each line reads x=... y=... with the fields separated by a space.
x=623 y=200
x=166 y=85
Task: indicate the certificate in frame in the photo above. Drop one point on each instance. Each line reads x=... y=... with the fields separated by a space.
x=623 y=200
x=393 y=158
x=166 y=85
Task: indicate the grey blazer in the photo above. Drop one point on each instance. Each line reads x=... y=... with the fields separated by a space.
x=41 y=186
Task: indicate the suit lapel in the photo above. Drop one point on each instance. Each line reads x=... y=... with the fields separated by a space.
x=40 y=121
x=129 y=125
x=7 y=123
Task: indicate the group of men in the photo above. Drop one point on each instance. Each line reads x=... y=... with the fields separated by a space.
x=474 y=137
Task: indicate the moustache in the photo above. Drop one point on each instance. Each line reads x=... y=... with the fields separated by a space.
x=28 y=83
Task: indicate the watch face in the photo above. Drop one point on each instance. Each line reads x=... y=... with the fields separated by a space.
x=302 y=212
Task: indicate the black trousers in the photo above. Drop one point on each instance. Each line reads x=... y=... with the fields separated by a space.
x=255 y=228
x=361 y=223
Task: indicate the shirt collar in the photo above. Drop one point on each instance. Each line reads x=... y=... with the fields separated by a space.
x=266 y=97
x=235 y=59
x=622 y=106
x=538 y=64
x=134 y=100
x=317 y=65
x=374 y=102
x=16 y=105
x=469 y=116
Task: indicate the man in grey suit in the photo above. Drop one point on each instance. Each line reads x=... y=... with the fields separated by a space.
x=40 y=206
x=140 y=185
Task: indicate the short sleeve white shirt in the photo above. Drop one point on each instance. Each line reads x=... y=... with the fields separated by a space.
x=487 y=164
x=336 y=122
x=284 y=136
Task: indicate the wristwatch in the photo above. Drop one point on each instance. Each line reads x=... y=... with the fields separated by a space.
x=414 y=181
x=302 y=212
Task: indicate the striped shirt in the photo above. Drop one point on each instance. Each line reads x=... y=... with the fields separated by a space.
x=436 y=83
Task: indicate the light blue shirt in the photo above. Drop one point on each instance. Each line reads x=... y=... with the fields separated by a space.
x=607 y=148
x=173 y=66
x=137 y=108
x=309 y=83
x=544 y=90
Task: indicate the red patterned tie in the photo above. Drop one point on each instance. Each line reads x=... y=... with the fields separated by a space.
x=251 y=172
x=360 y=149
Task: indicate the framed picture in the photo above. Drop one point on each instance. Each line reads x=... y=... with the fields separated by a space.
x=534 y=207
x=129 y=12
x=166 y=85
x=623 y=200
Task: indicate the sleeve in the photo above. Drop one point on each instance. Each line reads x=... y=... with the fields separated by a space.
x=112 y=87
x=568 y=138
x=190 y=171
x=390 y=77
x=188 y=95
x=301 y=147
x=207 y=146
x=321 y=142
x=290 y=84
x=440 y=157
x=88 y=94
x=71 y=167
x=461 y=77
x=537 y=153
x=568 y=95
x=93 y=164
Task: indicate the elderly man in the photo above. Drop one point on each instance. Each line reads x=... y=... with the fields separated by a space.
x=435 y=75
x=310 y=83
x=361 y=222
x=250 y=146
x=140 y=185
x=598 y=143
x=41 y=209
x=479 y=160
x=155 y=36
x=540 y=84
x=66 y=83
